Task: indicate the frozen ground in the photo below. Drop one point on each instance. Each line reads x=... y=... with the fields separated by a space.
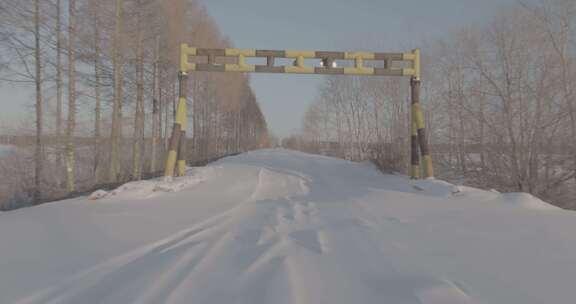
x=277 y=226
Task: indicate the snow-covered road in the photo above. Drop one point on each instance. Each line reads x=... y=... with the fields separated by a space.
x=278 y=226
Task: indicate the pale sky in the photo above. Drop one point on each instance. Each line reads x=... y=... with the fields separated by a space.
x=354 y=25
x=340 y=25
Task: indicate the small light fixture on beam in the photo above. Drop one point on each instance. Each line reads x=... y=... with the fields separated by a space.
x=328 y=62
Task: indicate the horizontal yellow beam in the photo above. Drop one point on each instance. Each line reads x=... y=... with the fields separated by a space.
x=295 y=54
x=190 y=51
x=185 y=52
x=239 y=68
x=408 y=72
x=237 y=52
x=408 y=56
x=299 y=70
x=363 y=55
x=299 y=67
x=359 y=71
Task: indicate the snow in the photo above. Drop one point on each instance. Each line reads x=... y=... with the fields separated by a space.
x=152 y=188
x=6 y=150
x=278 y=226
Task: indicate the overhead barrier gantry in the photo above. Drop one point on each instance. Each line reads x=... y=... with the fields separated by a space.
x=330 y=63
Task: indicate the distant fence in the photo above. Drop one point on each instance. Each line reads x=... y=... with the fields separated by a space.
x=30 y=140
x=335 y=149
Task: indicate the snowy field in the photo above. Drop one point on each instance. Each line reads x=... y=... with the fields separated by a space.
x=6 y=149
x=277 y=226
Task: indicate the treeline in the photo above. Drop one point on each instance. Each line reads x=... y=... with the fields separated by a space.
x=499 y=102
x=106 y=71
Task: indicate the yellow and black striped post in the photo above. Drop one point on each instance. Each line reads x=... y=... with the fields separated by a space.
x=181 y=116
x=418 y=138
x=414 y=156
x=176 y=149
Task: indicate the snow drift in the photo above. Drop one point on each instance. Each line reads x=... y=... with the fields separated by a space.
x=277 y=226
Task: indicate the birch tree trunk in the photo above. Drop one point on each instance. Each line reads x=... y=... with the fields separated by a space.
x=70 y=146
x=115 y=131
x=38 y=155
x=59 y=82
x=139 y=110
x=155 y=112
x=97 y=107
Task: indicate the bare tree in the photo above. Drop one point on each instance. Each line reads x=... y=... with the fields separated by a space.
x=71 y=125
x=97 y=92
x=59 y=76
x=137 y=74
x=156 y=114
x=38 y=155
x=116 y=131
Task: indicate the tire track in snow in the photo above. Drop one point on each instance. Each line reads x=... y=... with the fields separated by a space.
x=276 y=247
x=170 y=269
x=102 y=280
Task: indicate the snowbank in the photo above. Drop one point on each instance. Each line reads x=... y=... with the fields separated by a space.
x=525 y=200
x=147 y=189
